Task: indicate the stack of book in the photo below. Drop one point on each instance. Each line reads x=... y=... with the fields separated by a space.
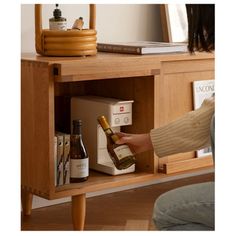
x=62 y=158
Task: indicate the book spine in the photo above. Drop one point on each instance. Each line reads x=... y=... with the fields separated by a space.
x=55 y=160
x=66 y=159
x=119 y=49
x=59 y=159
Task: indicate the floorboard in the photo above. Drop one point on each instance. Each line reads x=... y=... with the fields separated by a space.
x=125 y=210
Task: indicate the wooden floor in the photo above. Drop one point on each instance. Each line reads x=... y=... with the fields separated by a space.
x=126 y=210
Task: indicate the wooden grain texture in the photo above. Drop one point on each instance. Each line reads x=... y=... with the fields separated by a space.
x=71 y=33
x=159 y=98
x=69 y=52
x=111 y=67
x=92 y=16
x=60 y=39
x=125 y=210
x=160 y=85
x=37 y=127
x=115 y=56
x=136 y=225
x=26 y=202
x=99 y=181
x=115 y=65
x=176 y=94
x=190 y=164
x=140 y=90
x=78 y=211
x=171 y=67
x=130 y=66
x=38 y=28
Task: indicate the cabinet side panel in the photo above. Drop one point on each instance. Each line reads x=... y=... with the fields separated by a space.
x=143 y=118
x=176 y=94
x=37 y=130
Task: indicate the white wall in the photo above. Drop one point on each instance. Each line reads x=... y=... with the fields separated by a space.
x=123 y=22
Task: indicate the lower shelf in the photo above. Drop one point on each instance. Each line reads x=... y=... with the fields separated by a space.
x=98 y=181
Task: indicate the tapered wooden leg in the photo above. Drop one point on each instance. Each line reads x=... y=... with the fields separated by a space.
x=78 y=211
x=26 y=200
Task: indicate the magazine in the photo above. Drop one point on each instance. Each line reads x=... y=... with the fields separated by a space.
x=201 y=90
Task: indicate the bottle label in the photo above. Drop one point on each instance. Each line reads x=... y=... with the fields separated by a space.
x=122 y=151
x=57 y=25
x=79 y=168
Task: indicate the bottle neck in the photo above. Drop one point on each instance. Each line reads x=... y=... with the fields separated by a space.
x=108 y=132
x=107 y=129
x=104 y=124
x=111 y=134
x=77 y=128
x=115 y=138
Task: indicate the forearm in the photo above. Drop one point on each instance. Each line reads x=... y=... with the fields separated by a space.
x=188 y=133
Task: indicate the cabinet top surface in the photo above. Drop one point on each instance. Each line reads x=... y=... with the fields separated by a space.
x=116 y=56
x=110 y=65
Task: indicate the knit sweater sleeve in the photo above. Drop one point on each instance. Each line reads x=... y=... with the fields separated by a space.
x=188 y=133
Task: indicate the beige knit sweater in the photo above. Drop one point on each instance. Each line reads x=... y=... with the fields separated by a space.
x=188 y=133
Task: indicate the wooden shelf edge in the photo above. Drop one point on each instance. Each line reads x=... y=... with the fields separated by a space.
x=103 y=181
x=116 y=181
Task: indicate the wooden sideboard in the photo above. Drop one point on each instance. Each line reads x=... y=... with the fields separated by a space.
x=161 y=87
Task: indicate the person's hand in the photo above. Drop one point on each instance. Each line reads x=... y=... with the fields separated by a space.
x=137 y=142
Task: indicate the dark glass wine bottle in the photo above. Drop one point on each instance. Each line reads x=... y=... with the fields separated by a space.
x=79 y=164
x=120 y=154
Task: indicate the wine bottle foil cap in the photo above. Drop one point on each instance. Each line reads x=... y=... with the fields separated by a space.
x=103 y=122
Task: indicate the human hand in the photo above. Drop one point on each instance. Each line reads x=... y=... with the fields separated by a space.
x=137 y=142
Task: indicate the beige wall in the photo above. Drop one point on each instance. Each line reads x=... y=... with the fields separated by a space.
x=123 y=22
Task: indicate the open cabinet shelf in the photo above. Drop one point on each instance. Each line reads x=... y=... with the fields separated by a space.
x=160 y=86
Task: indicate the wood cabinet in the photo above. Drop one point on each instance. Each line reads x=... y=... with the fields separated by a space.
x=160 y=86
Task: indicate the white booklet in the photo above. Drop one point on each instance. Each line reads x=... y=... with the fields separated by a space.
x=202 y=89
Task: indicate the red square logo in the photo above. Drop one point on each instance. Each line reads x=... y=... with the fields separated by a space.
x=122 y=109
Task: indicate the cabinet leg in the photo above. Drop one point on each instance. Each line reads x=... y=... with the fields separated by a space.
x=26 y=200
x=78 y=211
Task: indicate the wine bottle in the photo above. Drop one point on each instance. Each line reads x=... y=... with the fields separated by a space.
x=120 y=154
x=79 y=165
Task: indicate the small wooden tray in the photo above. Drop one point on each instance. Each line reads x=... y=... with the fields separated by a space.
x=65 y=43
x=190 y=164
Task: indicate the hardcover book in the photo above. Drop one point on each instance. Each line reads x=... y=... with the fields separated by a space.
x=202 y=89
x=142 y=47
x=62 y=160
x=66 y=158
x=55 y=159
x=59 y=163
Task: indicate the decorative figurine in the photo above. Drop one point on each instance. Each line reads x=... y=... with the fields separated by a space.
x=78 y=24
